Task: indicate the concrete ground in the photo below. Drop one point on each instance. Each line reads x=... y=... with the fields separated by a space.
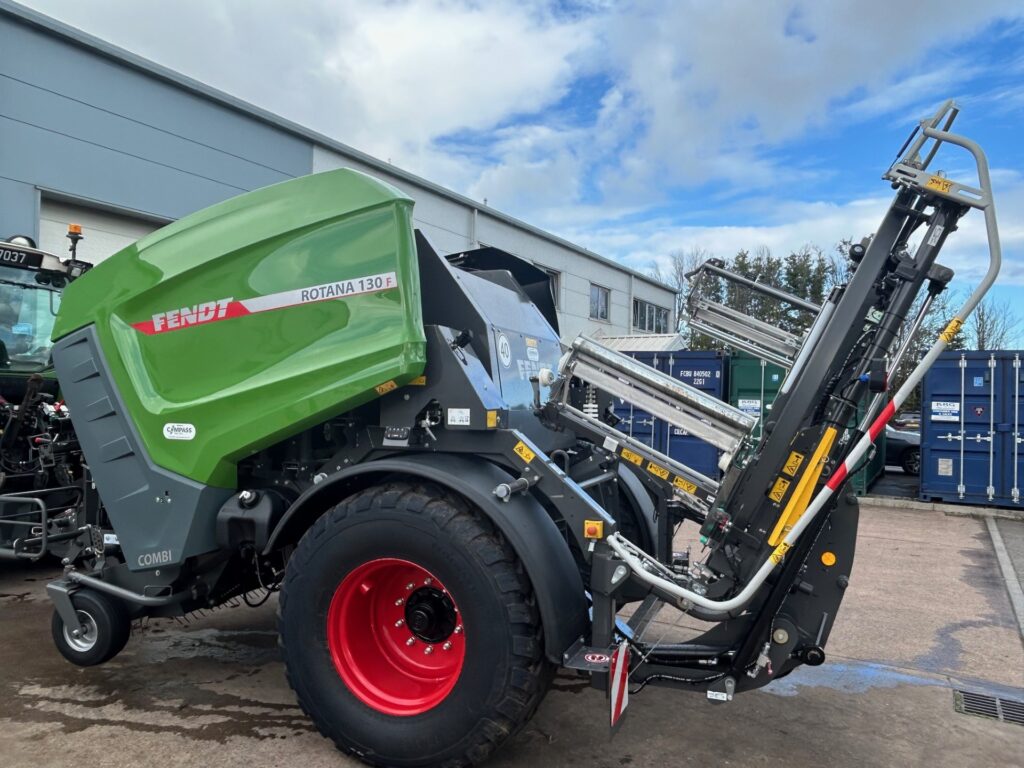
x=927 y=612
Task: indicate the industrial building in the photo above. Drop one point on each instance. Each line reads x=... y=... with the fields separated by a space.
x=93 y=134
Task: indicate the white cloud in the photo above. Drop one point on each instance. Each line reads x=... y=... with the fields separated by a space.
x=690 y=93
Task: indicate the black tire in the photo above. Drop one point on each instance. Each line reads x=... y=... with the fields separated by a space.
x=910 y=461
x=504 y=674
x=108 y=627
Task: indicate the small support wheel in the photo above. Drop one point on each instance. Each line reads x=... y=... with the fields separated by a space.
x=102 y=634
x=911 y=461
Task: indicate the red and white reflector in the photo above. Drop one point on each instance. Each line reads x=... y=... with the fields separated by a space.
x=618 y=682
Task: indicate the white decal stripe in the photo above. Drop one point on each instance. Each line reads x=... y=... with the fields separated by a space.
x=340 y=289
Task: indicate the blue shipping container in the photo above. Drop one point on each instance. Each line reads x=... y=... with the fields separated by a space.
x=636 y=422
x=707 y=372
x=972 y=426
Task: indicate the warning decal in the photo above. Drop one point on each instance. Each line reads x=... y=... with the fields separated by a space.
x=793 y=463
x=635 y=458
x=524 y=452
x=779 y=489
x=227 y=308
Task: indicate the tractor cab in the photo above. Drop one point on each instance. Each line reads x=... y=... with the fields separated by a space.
x=31 y=284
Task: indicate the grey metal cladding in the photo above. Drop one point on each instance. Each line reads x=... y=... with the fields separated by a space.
x=160 y=517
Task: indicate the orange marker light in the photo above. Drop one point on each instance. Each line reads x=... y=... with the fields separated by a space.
x=828 y=559
x=74 y=229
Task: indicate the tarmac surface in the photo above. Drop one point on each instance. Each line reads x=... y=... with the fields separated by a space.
x=927 y=612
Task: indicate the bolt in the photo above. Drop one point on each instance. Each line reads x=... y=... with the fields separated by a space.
x=458 y=630
x=780 y=636
x=399 y=601
x=428 y=650
x=76 y=633
x=410 y=585
x=411 y=641
x=400 y=622
x=428 y=581
x=447 y=645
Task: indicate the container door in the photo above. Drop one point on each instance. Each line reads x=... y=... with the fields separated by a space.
x=705 y=372
x=961 y=406
x=636 y=422
x=1011 y=440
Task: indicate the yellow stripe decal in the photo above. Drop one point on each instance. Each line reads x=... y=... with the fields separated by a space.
x=801 y=497
x=952 y=330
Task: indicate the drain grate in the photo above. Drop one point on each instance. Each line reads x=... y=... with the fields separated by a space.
x=983 y=705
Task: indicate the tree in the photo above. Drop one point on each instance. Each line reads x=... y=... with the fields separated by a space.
x=992 y=325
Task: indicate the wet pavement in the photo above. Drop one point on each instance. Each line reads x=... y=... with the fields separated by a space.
x=927 y=612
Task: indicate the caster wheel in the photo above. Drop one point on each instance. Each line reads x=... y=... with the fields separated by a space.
x=103 y=633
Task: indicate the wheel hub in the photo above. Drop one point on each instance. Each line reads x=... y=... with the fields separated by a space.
x=396 y=637
x=430 y=615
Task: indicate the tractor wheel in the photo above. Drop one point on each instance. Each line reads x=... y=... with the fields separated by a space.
x=104 y=632
x=409 y=629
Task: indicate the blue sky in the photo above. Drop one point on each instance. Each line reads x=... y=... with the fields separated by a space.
x=635 y=129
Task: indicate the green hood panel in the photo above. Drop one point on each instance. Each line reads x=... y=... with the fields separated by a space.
x=256 y=318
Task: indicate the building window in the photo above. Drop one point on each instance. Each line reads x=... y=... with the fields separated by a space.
x=600 y=298
x=649 y=317
x=555 y=278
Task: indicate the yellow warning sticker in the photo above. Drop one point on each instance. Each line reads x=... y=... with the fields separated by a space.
x=524 y=452
x=684 y=485
x=779 y=489
x=492 y=419
x=419 y=381
x=780 y=552
x=939 y=184
x=793 y=463
x=531 y=342
x=635 y=458
x=387 y=386
x=654 y=469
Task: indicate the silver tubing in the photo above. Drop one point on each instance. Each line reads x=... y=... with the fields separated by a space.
x=661 y=395
x=768 y=290
x=817 y=328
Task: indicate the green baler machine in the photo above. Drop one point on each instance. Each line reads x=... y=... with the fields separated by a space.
x=293 y=392
x=204 y=389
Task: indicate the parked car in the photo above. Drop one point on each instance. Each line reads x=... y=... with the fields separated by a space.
x=908 y=420
x=903 y=449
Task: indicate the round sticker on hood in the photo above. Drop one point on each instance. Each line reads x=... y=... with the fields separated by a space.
x=504 y=350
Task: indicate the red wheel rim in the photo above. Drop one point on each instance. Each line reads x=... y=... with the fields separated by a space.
x=396 y=637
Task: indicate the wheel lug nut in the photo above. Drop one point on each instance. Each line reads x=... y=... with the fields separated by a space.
x=400 y=622
x=411 y=641
x=399 y=601
x=410 y=585
x=458 y=629
x=447 y=645
x=428 y=650
x=428 y=581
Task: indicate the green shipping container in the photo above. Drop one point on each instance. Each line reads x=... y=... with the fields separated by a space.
x=753 y=386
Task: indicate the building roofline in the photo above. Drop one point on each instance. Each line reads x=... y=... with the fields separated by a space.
x=89 y=42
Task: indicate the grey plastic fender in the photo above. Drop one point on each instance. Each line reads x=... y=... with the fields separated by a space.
x=522 y=520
